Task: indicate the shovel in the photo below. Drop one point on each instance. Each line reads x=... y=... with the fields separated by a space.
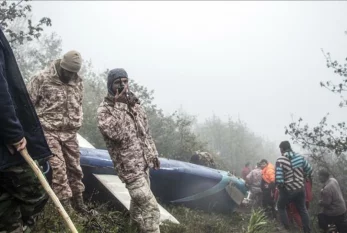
x=49 y=190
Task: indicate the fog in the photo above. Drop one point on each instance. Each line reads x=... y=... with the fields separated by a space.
x=257 y=61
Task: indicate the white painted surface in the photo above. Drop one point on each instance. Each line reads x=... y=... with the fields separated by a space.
x=82 y=142
x=118 y=189
x=235 y=193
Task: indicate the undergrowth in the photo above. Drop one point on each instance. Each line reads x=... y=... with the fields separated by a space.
x=111 y=220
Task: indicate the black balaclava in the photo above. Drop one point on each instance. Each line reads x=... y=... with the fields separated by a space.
x=116 y=74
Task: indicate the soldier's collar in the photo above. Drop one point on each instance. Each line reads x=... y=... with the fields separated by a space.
x=121 y=106
x=110 y=101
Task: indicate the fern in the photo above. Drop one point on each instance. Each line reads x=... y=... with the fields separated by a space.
x=258 y=222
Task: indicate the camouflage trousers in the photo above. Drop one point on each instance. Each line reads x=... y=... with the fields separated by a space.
x=66 y=169
x=21 y=198
x=144 y=209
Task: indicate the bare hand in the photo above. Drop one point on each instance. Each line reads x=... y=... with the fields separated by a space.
x=122 y=94
x=19 y=146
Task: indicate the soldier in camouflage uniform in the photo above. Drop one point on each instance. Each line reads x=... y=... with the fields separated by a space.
x=124 y=125
x=21 y=198
x=21 y=195
x=203 y=158
x=57 y=94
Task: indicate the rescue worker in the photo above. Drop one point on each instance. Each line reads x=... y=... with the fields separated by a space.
x=333 y=203
x=123 y=123
x=246 y=170
x=57 y=94
x=268 y=187
x=203 y=158
x=22 y=197
x=291 y=172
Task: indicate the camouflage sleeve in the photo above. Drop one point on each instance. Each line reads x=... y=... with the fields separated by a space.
x=149 y=137
x=151 y=142
x=110 y=123
x=33 y=88
x=81 y=101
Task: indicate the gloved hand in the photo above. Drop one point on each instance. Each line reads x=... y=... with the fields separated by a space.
x=121 y=97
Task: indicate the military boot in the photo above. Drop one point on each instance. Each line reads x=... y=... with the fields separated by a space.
x=26 y=229
x=79 y=205
x=29 y=223
x=66 y=203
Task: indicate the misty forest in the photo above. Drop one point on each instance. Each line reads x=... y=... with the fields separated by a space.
x=178 y=134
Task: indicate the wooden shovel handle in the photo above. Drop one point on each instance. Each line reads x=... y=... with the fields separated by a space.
x=49 y=190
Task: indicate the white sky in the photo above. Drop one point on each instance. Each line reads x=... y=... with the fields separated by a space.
x=259 y=61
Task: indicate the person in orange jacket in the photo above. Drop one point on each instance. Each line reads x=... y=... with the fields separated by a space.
x=268 y=187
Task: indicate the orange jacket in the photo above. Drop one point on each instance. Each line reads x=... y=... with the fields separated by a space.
x=268 y=173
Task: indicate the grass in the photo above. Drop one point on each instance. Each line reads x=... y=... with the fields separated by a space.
x=111 y=220
x=258 y=222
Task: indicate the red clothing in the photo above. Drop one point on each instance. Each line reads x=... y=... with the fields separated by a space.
x=308 y=190
x=245 y=172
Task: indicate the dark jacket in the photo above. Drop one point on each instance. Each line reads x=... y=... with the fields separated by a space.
x=17 y=114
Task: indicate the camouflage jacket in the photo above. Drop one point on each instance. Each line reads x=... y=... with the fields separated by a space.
x=127 y=138
x=58 y=105
x=203 y=158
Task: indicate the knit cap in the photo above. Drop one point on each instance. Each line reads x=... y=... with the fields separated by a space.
x=71 y=61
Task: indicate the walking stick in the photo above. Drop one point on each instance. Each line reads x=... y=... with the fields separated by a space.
x=49 y=190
